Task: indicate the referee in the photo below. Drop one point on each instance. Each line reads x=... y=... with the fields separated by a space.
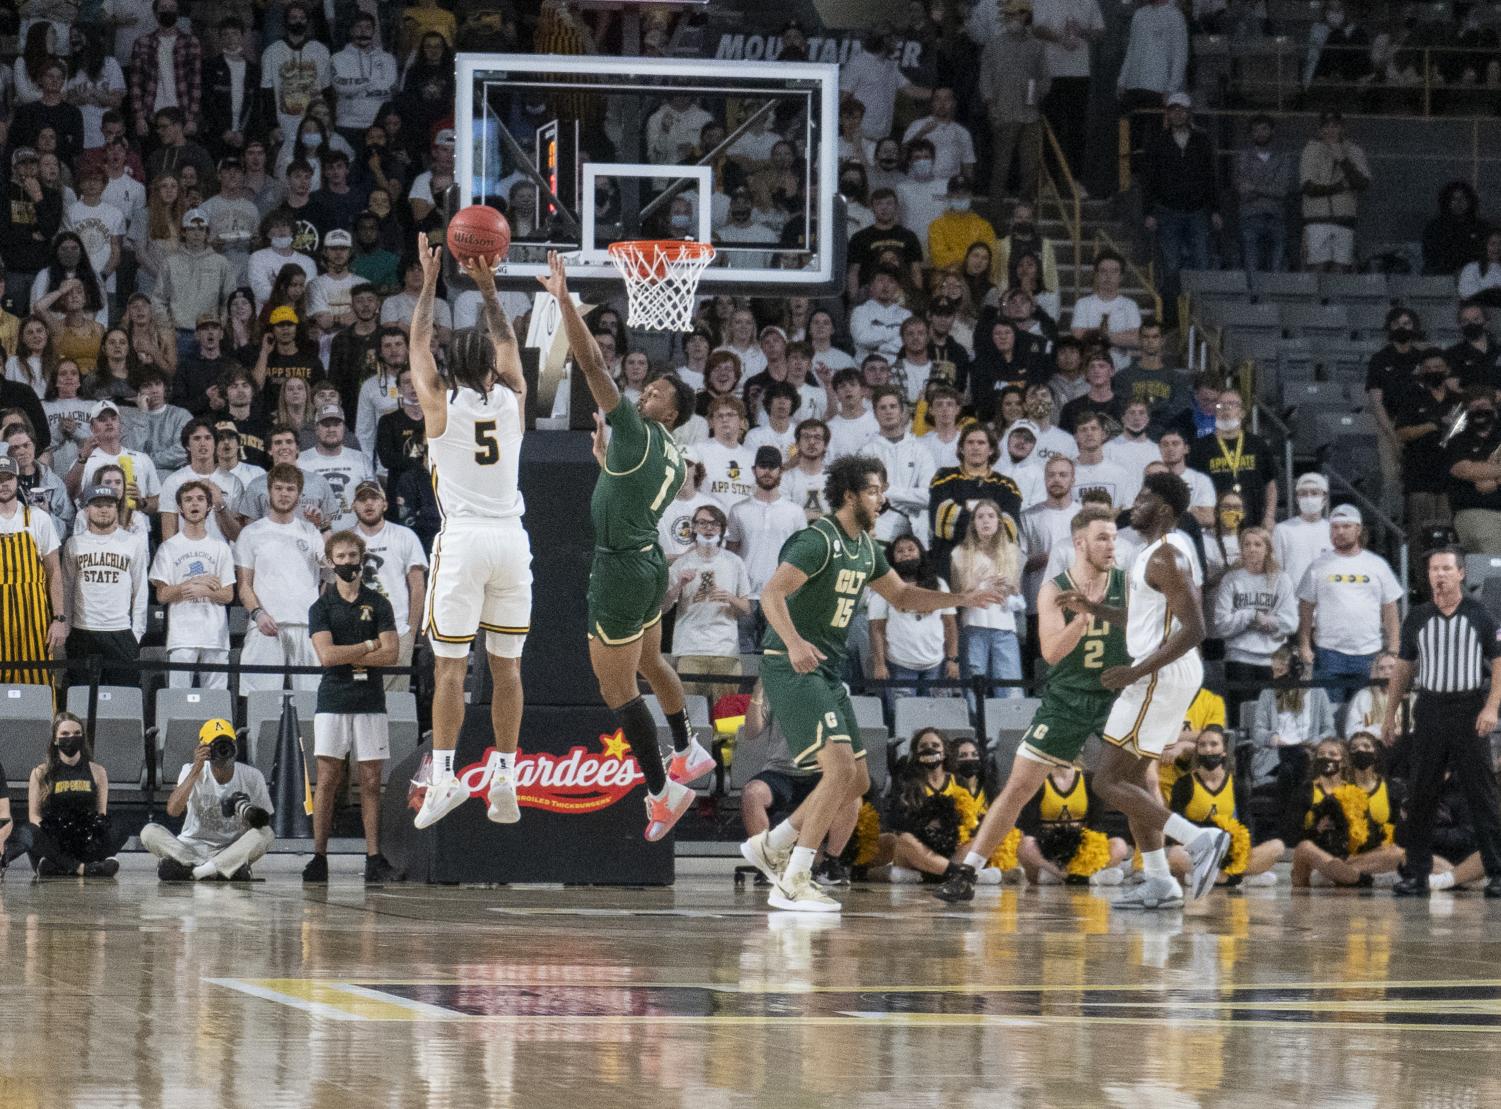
x=1451 y=642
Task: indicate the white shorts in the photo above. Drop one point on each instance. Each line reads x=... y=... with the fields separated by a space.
x=368 y=733
x=1148 y=715
x=291 y=646
x=481 y=578
x=1328 y=242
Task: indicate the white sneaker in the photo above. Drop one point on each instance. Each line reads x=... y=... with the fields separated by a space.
x=204 y=871
x=1046 y=877
x=761 y=855
x=799 y=894
x=1318 y=879
x=1205 y=854
x=504 y=809
x=1110 y=876
x=1386 y=881
x=441 y=800
x=1265 y=878
x=988 y=876
x=1152 y=893
x=689 y=766
x=662 y=813
x=904 y=876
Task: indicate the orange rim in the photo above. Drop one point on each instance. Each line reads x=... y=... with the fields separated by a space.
x=651 y=254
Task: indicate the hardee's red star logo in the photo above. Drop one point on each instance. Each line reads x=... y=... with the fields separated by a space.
x=580 y=781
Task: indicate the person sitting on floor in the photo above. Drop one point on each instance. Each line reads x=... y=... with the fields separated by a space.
x=67 y=800
x=226 y=814
x=1058 y=845
x=1332 y=820
x=1211 y=796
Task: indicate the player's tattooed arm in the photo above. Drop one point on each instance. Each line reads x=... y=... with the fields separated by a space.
x=507 y=357
x=425 y=377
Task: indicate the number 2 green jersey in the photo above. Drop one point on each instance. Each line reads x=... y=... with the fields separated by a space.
x=642 y=474
x=839 y=568
x=1103 y=645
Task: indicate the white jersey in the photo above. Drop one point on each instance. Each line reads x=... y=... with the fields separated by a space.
x=476 y=462
x=1148 y=621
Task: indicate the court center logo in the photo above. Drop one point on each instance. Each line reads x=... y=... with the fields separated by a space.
x=583 y=780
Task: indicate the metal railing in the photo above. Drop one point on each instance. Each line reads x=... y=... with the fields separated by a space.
x=1069 y=200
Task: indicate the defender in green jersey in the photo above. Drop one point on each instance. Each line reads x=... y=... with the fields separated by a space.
x=640 y=473
x=809 y=602
x=1078 y=649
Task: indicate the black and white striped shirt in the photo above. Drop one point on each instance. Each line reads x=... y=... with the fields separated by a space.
x=1452 y=653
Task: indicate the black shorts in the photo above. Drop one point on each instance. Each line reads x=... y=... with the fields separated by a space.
x=788 y=791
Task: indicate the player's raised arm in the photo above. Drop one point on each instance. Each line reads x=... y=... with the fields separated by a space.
x=586 y=353
x=502 y=336
x=425 y=377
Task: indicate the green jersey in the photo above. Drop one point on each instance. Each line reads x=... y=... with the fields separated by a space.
x=1102 y=647
x=838 y=570
x=643 y=473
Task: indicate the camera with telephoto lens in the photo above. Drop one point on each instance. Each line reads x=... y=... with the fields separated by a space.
x=222 y=750
x=240 y=805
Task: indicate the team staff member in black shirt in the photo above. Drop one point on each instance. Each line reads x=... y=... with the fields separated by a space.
x=1476 y=358
x=1419 y=420
x=886 y=234
x=352 y=628
x=1237 y=461
x=1474 y=480
x=1449 y=654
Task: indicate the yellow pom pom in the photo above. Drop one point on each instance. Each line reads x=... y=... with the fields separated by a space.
x=1004 y=856
x=1239 y=855
x=1092 y=856
x=867 y=834
x=1357 y=807
x=971 y=810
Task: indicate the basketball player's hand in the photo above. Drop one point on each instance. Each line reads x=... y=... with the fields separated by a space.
x=804 y=657
x=555 y=280
x=981 y=598
x=1485 y=723
x=481 y=270
x=1118 y=677
x=599 y=445
x=1077 y=603
x=431 y=258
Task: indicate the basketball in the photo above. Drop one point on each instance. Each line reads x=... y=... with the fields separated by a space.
x=478 y=231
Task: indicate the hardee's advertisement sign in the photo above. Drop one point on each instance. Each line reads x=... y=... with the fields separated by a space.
x=581 y=781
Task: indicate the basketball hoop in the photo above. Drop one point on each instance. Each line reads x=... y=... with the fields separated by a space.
x=661 y=276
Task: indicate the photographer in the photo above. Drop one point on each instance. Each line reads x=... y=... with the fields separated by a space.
x=226 y=814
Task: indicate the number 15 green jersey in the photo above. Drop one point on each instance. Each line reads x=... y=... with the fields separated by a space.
x=839 y=568
x=642 y=474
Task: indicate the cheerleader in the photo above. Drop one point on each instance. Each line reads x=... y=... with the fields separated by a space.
x=1057 y=845
x=1332 y=819
x=1210 y=796
x=67 y=796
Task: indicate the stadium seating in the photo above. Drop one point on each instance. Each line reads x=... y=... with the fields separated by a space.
x=118 y=731
x=26 y=721
x=180 y=713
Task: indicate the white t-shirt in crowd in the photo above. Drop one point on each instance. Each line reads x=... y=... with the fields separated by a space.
x=1297 y=544
x=97 y=226
x=296 y=77
x=706 y=627
x=201 y=623
x=1121 y=311
x=953 y=149
x=285 y=561
x=390 y=553
x=342 y=471
x=105 y=576
x=805 y=490
x=914 y=640
x=1110 y=478
x=1044 y=528
x=765 y=435
x=205 y=822
x=1201 y=492
x=847 y=436
x=137 y=466
x=1347 y=592
x=228 y=484
x=1053 y=442
x=1030 y=478
x=398 y=309
x=42 y=527
x=759 y=528
x=944 y=454
x=675 y=528
x=1131 y=456
x=728 y=474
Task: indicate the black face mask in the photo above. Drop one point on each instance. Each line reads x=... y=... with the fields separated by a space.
x=296 y=30
x=1435 y=381
x=1402 y=334
x=886 y=163
x=968 y=768
x=167 y=19
x=1482 y=421
x=1022 y=230
x=1328 y=768
x=930 y=758
x=1362 y=760
x=1472 y=331
x=70 y=746
x=1211 y=762
x=348 y=571
x=907 y=567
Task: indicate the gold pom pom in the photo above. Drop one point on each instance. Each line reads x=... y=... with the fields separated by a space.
x=971 y=810
x=1092 y=856
x=1004 y=856
x=1239 y=855
x=867 y=834
x=1357 y=808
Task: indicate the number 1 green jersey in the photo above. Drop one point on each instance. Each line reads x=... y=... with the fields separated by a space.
x=642 y=474
x=1103 y=645
x=839 y=568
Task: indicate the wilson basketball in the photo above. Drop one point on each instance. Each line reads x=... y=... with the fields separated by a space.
x=477 y=231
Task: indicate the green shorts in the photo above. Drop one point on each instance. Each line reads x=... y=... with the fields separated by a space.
x=1063 y=724
x=811 y=709
x=625 y=593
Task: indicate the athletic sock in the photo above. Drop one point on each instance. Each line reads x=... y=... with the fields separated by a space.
x=801 y=862
x=1441 y=881
x=506 y=760
x=640 y=731
x=678 y=722
x=976 y=861
x=1155 y=863
x=442 y=765
x=783 y=836
x=1181 y=829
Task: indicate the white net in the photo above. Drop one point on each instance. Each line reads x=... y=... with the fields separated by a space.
x=661 y=278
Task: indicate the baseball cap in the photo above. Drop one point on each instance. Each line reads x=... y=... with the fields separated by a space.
x=230 y=161
x=209 y=319
x=1346 y=512
x=23 y=154
x=100 y=493
x=371 y=487
x=1024 y=425
x=1180 y=100
x=338 y=237
x=218 y=728
x=194 y=217
x=1313 y=479
x=445 y=137
x=8 y=466
x=101 y=407
x=284 y=314
x=330 y=412
x=768 y=457
x=770 y=329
